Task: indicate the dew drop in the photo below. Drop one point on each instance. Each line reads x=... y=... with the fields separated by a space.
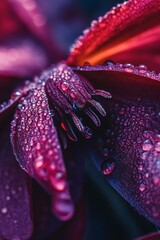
x=63 y=208
x=147 y=146
x=140 y=168
x=128 y=67
x=142 y=187
x=108 y=166
x=142 y=69
x=108 y=63
x=58 y=183
x=144 y=155
x=157 y=147
x=64 y=86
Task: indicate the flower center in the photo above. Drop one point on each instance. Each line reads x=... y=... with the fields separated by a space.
x=71 y=96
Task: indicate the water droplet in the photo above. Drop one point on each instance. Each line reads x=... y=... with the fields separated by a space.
x=144 y=155
x=108 y=166
x=109 y=63
x=4 y=210
x=140 y=168
x=58 y=182
x=142 y=187
x=142 y=69
x=128 y=67
x=157 y=147
x=64 y=86
x=38 y=162
x=147 y=145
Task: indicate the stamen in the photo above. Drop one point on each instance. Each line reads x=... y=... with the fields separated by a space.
x=69 y=130
x=98 y=107
x=93 y=117
x=102 y=93
x=70 y=95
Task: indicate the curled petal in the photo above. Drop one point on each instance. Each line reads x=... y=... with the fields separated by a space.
x=37 y=149
x=15 y=208
x=129 y=140
x=118 y=32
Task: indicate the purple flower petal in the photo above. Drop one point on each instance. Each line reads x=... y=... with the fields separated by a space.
x=129 y=140
x=37 y=148
x=15 y=209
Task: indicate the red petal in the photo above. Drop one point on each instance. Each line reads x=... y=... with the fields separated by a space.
x=130 y=136
x=133 y=25
x=15 y=212
x=37 y=148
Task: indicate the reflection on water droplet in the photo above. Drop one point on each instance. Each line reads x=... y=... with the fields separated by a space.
x=157 y=147
x=144 y=155
x=128 y=67
x=142 y=68
x=108 y=166
x=142 y=187
x=140 y=168
x=147 y=145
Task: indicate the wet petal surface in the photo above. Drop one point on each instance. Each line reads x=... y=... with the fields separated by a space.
x=37 y=148
x=118 y=32
x=129 y=140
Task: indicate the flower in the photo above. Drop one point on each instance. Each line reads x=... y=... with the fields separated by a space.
x=59 y=103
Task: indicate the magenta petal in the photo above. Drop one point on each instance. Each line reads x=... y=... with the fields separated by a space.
x=15 y=211
x=37 y=148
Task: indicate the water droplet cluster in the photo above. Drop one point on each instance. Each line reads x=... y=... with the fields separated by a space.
x=132 y=140
x=108 y=27
x=140 y=70
x=37 y=148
